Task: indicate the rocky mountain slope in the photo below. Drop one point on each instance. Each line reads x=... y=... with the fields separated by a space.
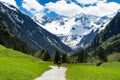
x=9 y=40
x=27 y=30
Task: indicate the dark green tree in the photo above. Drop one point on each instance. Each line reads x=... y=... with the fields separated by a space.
x=39 y=53
x=102 y=55
x=57 y=57
x=64 y=58
x=82 y=56
x=46 y=56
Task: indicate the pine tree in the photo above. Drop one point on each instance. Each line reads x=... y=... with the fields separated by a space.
x=57 y=57
x=39 y=54
x=64 y=58
x=82 y=56
x=102 y=55
x=45 y=56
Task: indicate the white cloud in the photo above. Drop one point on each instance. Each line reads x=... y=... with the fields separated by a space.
x=12 y=2
x=102 y=8
x=33 y=6
x=90 y=1
x=63 y=8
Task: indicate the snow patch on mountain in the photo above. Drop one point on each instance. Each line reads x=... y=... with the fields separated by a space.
x=76 y=31
x=73 y=29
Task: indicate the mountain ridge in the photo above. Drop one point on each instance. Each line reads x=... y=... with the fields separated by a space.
x=77 y=31
x=26 y=29
x=109 y=38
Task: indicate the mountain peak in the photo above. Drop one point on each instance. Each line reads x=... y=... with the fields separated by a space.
x=74 y=29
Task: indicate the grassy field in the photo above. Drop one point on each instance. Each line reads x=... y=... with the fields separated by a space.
x=108 y=71
x=15 y=65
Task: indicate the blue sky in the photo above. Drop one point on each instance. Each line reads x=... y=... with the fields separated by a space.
x=118 y=1
x=19 y=3
x=54 y=14
x=43 y=2
x=69 y=8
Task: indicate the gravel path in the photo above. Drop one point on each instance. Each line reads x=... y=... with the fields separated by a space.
x=54 y=74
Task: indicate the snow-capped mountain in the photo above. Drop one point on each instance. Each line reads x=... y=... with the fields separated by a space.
x=76 y=31
x=24 y=28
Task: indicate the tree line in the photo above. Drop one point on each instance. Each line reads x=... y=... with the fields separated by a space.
x=81 y=57
x=45 y=56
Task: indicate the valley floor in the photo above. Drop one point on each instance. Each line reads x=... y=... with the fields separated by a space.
x=15 y=65
x=108 y=71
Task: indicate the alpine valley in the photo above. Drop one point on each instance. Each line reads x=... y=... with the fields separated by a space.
x=59 y=39
x=76 y=32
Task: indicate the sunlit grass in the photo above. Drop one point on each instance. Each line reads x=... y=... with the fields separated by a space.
x=15 y=65
x=87 y=72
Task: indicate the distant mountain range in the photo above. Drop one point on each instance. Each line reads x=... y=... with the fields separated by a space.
x=78 y=31
x=26 y=29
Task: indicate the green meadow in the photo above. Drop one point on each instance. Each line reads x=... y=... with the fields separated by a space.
x=15 y=65
x=108 y=71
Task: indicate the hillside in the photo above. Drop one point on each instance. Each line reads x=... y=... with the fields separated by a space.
x=112 y=44
x=9 y=40
x=110 y=37
x=26 y=29
x=15 y=65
